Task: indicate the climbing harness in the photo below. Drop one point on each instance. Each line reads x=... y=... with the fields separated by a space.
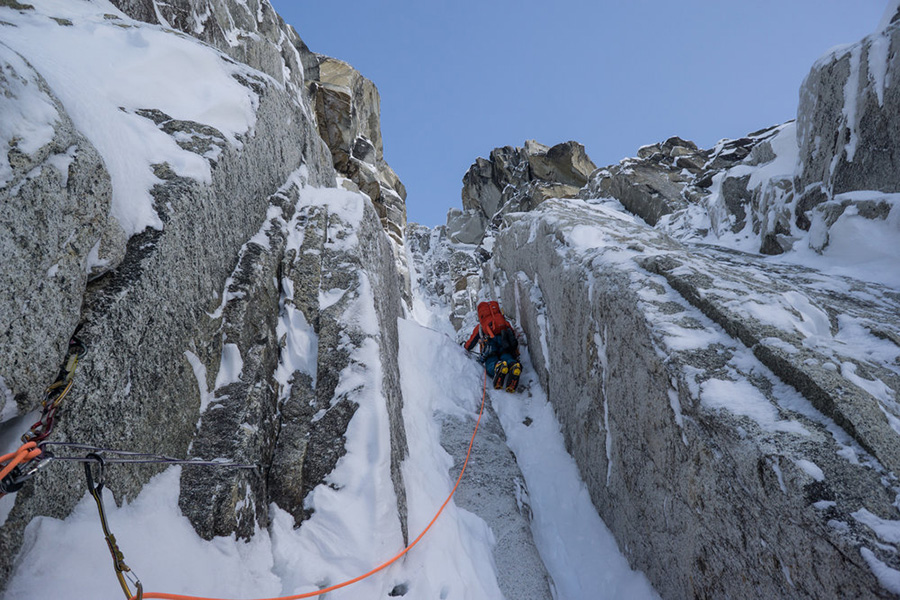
x=123 y=571
x=382 y=566
x=14 y=473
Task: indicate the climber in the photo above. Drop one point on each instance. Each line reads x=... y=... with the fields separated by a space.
x=499 y=346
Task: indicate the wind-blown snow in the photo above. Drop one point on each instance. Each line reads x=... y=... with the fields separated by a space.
x=104 y=69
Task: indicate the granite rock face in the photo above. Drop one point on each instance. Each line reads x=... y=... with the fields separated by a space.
x=733 y=452
x=136 y=389
x=344 y=104
x=446 y=270
x=734 y=418
x=787 y=184
x=847 y=118
x=288 y=415
x=514 y=179
x=694 y=193
x=203 y=333
x=347 y=107
x=55 y=194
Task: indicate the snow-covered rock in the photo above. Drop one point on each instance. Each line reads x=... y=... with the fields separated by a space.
x=847 y=122
x=168 y=194
x=55 y=195
x=311 y=312
x=344 y=104
x=695 y=386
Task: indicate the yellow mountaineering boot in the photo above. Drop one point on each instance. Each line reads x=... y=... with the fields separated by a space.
x=513 y=380
x=500 y=371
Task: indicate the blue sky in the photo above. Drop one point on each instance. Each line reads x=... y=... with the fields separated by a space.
x=458 y=78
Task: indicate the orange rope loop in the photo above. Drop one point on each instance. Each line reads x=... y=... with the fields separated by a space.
x=26 y=453
x=378 y=568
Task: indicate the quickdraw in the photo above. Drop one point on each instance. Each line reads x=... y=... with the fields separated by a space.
x=56 y=392
x=123 y=571
x=21 y=465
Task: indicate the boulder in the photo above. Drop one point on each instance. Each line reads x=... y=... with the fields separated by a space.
x=648 y=190
x=565 y=163
x=465 y=227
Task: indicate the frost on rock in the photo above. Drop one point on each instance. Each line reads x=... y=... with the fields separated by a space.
x=746 y=345
x=167 y=118
x=296 y=367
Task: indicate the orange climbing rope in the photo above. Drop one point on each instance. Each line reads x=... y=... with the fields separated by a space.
x=376 y=569
x=26 y=453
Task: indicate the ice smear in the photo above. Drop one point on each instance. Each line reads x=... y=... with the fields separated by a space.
x=200 y=374
x=230 y=366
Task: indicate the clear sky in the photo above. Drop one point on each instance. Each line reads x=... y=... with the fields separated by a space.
x=458 y=78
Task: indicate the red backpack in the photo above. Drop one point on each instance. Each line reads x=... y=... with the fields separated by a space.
x=491 y=319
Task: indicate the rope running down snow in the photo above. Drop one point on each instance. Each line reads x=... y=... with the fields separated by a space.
x=378 y=568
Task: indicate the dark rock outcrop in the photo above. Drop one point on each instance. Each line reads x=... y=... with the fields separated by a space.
x=514 y=179
x=846 y=121
x=347 y=109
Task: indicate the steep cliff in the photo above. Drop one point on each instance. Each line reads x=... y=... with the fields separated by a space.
x=170 y=196
x=344 y=105
x=730 y=434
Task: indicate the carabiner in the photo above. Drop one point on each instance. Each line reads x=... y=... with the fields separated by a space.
x=94 y=490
